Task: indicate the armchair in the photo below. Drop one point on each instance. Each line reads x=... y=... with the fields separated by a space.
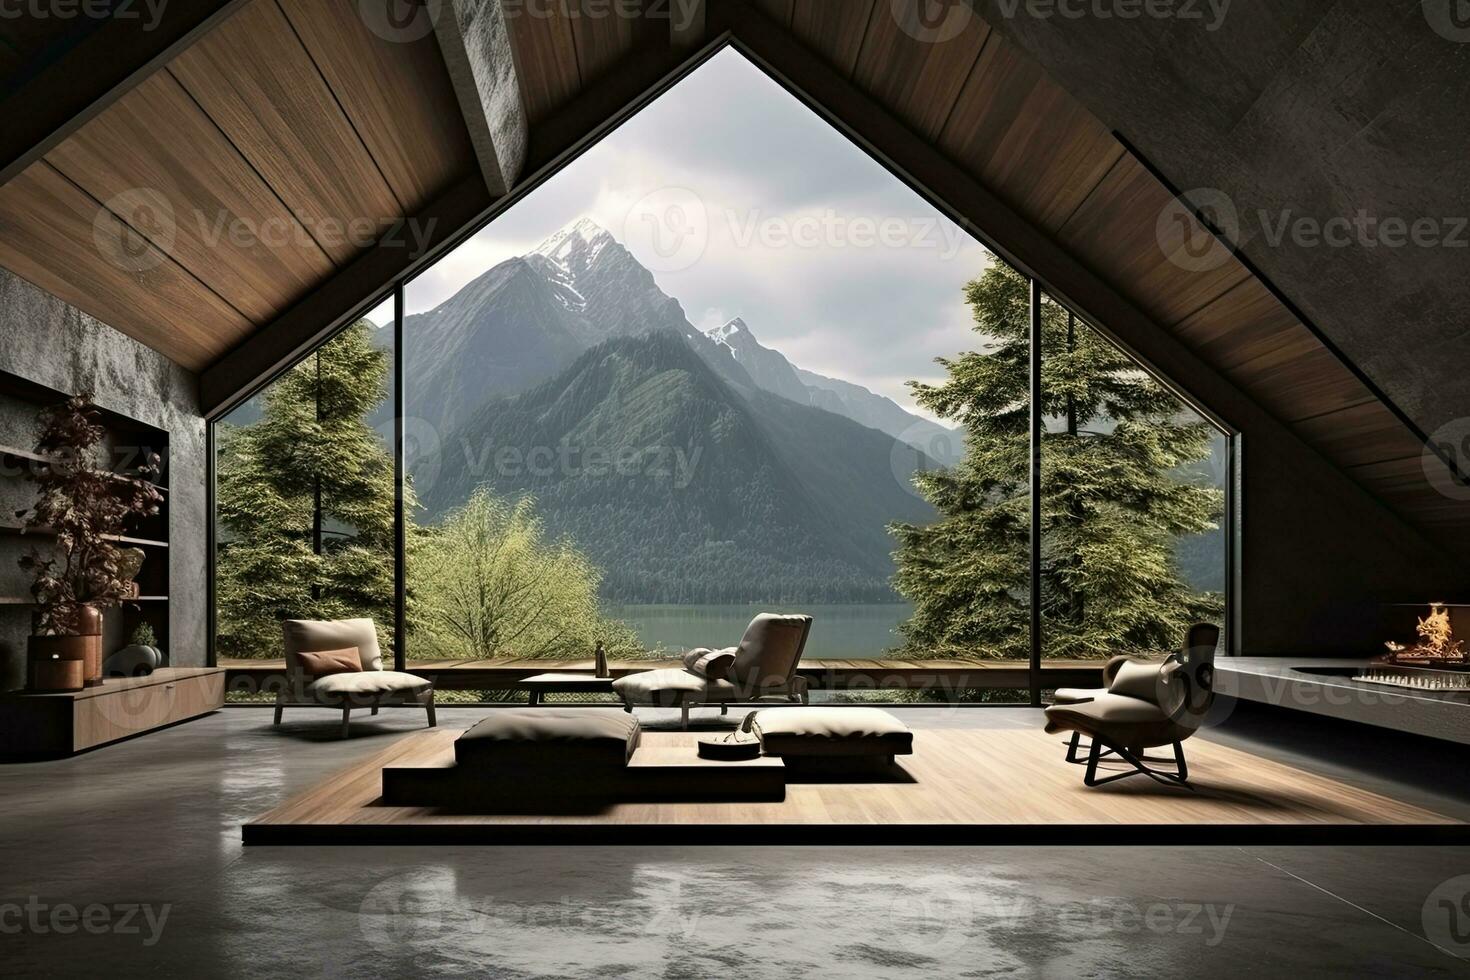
x=1145 y=705
x=371 y=686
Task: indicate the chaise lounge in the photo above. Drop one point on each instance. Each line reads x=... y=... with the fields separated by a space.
x=761 y=668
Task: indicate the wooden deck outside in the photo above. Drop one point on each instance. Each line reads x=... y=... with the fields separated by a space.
x=827 y=675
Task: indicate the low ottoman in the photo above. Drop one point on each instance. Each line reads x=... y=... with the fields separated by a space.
x=832 y=740
x=570 y=742
x=526 y=760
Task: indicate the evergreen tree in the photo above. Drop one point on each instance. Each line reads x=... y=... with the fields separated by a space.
x=305 y=501
x=1115 y=499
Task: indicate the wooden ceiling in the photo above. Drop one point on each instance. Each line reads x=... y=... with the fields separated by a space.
x=211 y=197
x=292 y=111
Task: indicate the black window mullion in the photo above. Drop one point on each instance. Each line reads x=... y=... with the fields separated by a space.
x=1034 y=674
x=400 y=526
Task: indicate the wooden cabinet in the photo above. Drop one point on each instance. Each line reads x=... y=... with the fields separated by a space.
x=64 y=723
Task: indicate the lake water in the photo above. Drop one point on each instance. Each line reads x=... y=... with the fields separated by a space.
x=838 y=631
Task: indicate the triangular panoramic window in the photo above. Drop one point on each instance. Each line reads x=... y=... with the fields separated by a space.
x=725 y=363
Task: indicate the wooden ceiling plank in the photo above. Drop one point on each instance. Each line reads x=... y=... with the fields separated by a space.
x=257 y=82
x=1029 y=140
x=834 y=28
x=223 y=223
x=602 y=36
x=397 y=95
x=1298 y=386
x=1115 y=231
x=779 y=10
x=1360 y=434
x=53 y=100
x=545 y=55
x=917 y=78
x=1242 y=324
x=47 y=224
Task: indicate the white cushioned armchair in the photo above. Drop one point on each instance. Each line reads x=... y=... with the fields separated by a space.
x=370 y=686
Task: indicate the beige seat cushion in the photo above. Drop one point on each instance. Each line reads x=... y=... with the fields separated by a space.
x=1130 y=722
x=672 y=687
x=563 y=743
x=367 y=683
x=832 y=732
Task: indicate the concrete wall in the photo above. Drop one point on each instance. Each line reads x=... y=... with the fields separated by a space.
x=47 y=341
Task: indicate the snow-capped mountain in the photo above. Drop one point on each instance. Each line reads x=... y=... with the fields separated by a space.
x=528 y=318
x=770 y=369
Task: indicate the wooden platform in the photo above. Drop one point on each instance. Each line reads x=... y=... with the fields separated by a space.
x=968 y=787
x=825 y=674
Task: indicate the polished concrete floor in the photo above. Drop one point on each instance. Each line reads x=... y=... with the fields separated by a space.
x=126 y=861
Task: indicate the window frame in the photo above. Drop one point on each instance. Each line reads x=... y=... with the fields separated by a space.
x=1039 y=288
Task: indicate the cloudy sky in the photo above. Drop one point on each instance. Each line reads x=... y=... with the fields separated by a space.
x=743 y=203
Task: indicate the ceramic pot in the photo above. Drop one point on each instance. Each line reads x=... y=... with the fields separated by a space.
x=133 y=661
x=57 y=663
x=81 y=640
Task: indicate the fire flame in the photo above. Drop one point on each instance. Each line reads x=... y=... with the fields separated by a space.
x=1436 y=638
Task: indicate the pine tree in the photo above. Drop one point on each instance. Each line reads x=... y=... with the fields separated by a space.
x=305 y=501
x=1115 y=497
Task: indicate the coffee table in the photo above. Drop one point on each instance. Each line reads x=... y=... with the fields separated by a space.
x=539 y=684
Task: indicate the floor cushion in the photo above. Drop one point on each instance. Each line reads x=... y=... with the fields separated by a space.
x=832 y=732
x=671 y=687
x=368 y=683
x=569 y=743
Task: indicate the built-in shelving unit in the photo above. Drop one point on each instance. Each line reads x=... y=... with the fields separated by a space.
x=126 y=440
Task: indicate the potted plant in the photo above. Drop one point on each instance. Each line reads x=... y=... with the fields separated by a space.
x=86 y=507
x=140 y=657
